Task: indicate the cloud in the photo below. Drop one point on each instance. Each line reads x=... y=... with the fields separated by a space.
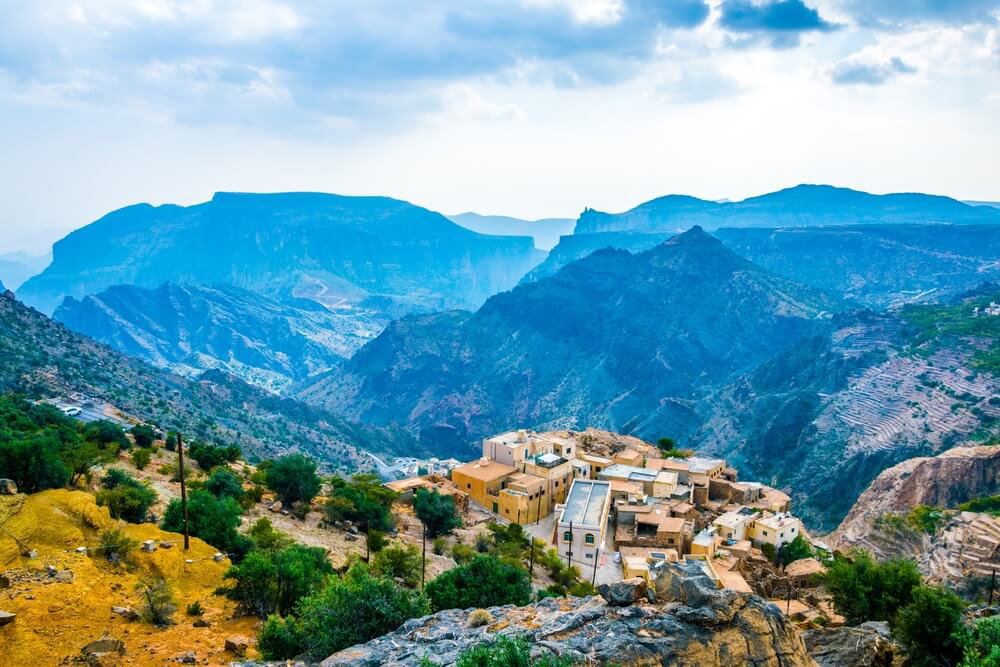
x=780 y=21
x=855 y=72
x=892 y=13
x=324 y=60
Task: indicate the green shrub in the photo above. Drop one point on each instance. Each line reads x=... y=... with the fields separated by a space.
x=462 y=553
x=144 y=435
x=477 y=618
x=293 y=477
x=34 y=462
x=212 y=519
x=981 y=643
x=506 y=652
x=928 y=627
x=266 y=538
x=300 y=511
x=440 y=545
x=353 y=609
x=363 y=500
x=210 y=456
x=267 y=582
x=864 y=590
x=195 y=609
x=795 y=550
x=375 y=541
x=223 y=483
x=158 y=605
x=484 y=582
x=141 y=457
x=436 y=511
x=403 y=561
x=125 y=497
x=115 y=546
x=104 y=432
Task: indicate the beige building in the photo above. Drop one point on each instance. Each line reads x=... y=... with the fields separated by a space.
x=735 y=525
x=655 y=483
x=505 y=491
x=580 y=531
x=775 y=529
x=597 y=463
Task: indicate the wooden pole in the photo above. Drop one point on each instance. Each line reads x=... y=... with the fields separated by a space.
x=993 y=581
x=184 y=499
x=593 y=577
x=423 y=560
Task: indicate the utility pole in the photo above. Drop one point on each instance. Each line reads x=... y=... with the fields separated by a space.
x=531 y=557
x=423 y=560
x=993 y=581
x=597 y=555
x=184 y=498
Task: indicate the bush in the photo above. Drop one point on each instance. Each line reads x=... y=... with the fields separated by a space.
x=864 y=590
x=928 y=627
x=266 y=538
x=795 y=550
x=462 y=553
x=115 y=546
x=125 y=497
x=104 y=432
x=223 y=483
x=403 y=561
x=440 y=546
x=484 y=582
x=171 y=442
x=141 y=457
x=300 y=511
x=477 y=618
x=506 y=652
x=436 y=511
x=144 y=435
x=34 y=463
x=351 y=610
x=195 y=609
x=981 y=643
x=273 y=582
x=483 y=542
x=375 y=540
x=212 y=519
x=158 y=605
x=294 y=478
x=210 y=456
x=362 y=500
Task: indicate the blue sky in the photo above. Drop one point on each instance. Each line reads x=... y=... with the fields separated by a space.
x=522 y=107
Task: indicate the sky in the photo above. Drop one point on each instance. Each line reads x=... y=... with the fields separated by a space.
x=530 y=108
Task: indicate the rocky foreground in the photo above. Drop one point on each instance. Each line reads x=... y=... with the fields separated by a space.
x=685 y=621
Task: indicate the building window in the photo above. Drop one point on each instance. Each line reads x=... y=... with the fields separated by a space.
x=557 y=484
x=589 y=555
x=765 y=533
x=589 y=538
x=468 y=486
x=793 y=529
x=567 y=536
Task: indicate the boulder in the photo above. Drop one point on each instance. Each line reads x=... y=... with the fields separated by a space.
x=103 y=651
x=624 y=593
x=238 y=644
x=275 y=506
x=127 y=613
x=862 y=646
x=7 y=487
x=6 y=618
x=188 y=658
x=200 y=623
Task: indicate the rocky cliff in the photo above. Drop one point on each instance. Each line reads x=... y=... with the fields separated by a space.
x=692 y=624
x=328 y=247
x=192 y=328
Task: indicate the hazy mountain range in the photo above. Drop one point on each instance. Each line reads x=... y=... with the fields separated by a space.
x=545 y=231
x=338 y=250
x=17 y=267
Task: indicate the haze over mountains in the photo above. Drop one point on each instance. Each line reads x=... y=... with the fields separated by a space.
x=776 y=339
x=338 y=250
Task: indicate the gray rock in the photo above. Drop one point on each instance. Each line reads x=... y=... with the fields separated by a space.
x=127 y=613
x=850 y=647
x=102 y=646
x=6 y=618
x=188 y=658
x=624 y=593
x=7 y=487
x=238 y=644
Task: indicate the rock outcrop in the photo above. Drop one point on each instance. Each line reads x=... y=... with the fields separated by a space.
x=867 y=645
x=694 y=624
x=949 y=479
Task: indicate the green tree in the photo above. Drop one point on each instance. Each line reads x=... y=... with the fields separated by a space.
x=403 y=561
x=294 y=478
x=223 y=483
x=144 y=435
x=363 y=500
x=484 y=582
x=34 y=462
x=436 y=511
x=350 y=610
x=210 y=456
x=273 y=582
x=506 y=652
x=266 y=538
x=864 y=590
x=104 y=433
x=981 y=643
x=141 y=457
x=125 y=497
x=80 y=456
x=158 y=604
x=795 y=550
x=928 y=627
x=212 y=519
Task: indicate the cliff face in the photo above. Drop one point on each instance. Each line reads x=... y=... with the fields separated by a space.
x=694 y=624
x=949 y=479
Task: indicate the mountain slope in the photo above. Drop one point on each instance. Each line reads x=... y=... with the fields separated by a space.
x=603 y=343
x=799 y=206
x=876 y=265
x=40 y=357
x=17 y=267
x=545 y=232
x=332 y=248
x=191 y=328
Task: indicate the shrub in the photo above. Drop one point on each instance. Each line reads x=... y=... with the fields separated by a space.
x=125 y=497
x=212 y=519
x=928 y=627
x=266 y=538
x=273 y=582
x=294 y=478
x=477 y=618
x=144 y=435
x=158 y=605
x=795 y=550
x=171 y=442
x=115 y=546
x=223 y=483
x=104 y=433
x=34 y=462
x=210 y=456
x=195 y=609
x=280 y=639
x=440 y=546
x=362 y=500
x=436 y=511
x=462 y=553
x=981 y=643
x=506 y=652
x=864 y=590
x=300 y=511
x=483 y=542
x=403 y=561
x=348 y=611
x=141 y=457
x=484 y=582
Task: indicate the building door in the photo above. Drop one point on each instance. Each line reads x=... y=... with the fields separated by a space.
x=496 y=510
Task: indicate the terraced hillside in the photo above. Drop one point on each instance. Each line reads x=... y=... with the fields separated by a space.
x=40 y=357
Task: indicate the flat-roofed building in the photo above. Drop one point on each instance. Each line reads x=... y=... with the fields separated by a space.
x=581 y=527
x=735 y=525
x=701 y=465
x=482 y=480
x=513 y=447
x=652 y=526
x=597 y=463
x=705 y=542
x=629 y=457
x=639 y=561
x=675 y=465
x=776 y=529
x=557 y=472
x=655 y=483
